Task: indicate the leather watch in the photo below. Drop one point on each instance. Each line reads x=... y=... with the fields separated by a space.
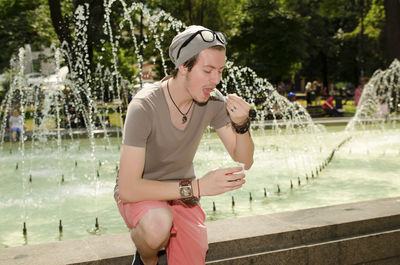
x=185 y=189
x=242 y=128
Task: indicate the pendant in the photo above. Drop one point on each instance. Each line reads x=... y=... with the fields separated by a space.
x=184 y=119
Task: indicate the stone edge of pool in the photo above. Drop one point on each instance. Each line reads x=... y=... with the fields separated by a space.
x=366 y=232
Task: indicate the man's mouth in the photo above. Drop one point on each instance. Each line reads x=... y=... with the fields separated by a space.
x=207 y=92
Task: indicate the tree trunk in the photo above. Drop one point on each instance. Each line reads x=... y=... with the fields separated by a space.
x=392 y=29
x=95 y=29
x=189 y=5
x=60 y=26
x=202 y=12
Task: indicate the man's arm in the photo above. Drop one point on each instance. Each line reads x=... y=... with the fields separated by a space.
x=133 y=188
x=239 y=146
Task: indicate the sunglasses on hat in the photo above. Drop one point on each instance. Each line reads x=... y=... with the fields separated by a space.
x=206 y=35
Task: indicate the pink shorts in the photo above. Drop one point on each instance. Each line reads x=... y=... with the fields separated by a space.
x=188 y=241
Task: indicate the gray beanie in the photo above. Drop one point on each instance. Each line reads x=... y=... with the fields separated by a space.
x=194 y=47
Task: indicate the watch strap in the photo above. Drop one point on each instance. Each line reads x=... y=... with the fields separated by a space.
x=242 y=128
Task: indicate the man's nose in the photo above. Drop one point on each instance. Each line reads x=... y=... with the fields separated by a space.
x=215 y=77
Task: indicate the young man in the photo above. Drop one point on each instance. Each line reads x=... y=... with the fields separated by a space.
x=157 y=190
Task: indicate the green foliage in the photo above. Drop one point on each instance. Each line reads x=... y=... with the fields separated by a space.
x=23 y=22
x=336 y=51
x=269 y=39
x=320 y=40
x=373 y=22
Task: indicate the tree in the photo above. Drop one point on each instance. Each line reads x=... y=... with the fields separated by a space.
x=342 y=38
x=209 y=13
x=269 y=39
x=64 y=25
x=22 y=22
x=392 y=29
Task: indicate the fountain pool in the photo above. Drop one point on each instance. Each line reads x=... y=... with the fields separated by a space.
x=364 y=167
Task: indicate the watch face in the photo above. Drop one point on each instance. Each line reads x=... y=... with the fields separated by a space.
x=186 y=191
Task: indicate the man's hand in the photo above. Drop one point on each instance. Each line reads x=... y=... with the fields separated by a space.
x=222 y=180
x=238 y=109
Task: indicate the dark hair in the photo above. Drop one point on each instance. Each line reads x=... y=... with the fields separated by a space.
x=192 y=61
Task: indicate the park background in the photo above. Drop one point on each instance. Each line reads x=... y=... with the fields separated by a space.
x=338 y=43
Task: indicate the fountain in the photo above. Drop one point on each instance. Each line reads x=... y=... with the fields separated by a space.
x=57 y=181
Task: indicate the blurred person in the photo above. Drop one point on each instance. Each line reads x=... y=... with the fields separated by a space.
x=349 y=93
x=281 y=88
x=331 y=90
x=359 y=89
x=16 y=124
x=309 y=93
x=317 y=88
x=338 y=96
x=292 y=96
x=330 y=109
x=157 y=191
x=357 y=94
x=383 y=109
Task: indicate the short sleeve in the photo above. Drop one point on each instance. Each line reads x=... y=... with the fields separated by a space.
x=221 y=117
x=137 y=125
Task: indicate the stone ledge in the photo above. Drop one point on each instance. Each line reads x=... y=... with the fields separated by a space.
x=369 y=249
x=290 y=229
x=303 y=233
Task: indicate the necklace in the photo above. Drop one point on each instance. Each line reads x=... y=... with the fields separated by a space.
x=184 y=118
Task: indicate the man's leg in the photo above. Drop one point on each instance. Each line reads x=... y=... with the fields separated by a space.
x=188 y=243
x=173 y=224
x=152 y=234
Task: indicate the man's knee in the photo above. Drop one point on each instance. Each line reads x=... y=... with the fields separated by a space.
x=154 y=227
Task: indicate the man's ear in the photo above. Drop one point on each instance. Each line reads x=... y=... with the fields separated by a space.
x=183 y=69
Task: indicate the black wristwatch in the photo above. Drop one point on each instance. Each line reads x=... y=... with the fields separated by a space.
x=243 y=128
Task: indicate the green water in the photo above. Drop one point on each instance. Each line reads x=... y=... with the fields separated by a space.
x=364 y=168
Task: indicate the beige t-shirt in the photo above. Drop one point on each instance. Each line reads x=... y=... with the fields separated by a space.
x=169 y=151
